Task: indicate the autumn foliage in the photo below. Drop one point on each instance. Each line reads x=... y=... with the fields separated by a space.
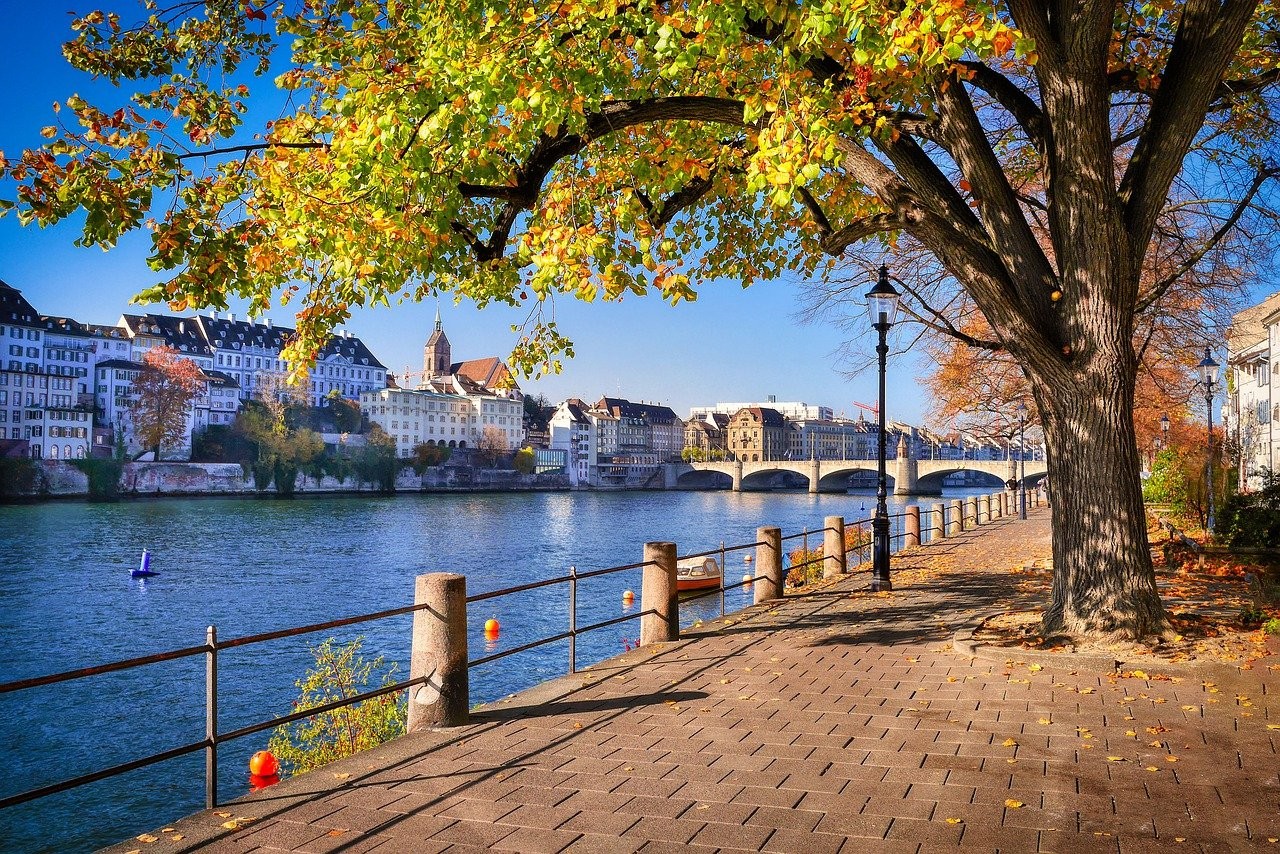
x=161 y=400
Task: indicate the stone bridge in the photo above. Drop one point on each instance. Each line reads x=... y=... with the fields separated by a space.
x=907 y=476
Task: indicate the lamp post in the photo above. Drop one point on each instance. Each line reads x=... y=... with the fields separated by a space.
x=1021 y=410
x=1208 y=379
x=882 y=306
x=1163 y=441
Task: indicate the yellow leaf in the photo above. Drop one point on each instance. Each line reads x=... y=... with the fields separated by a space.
x=176 y=837
x=1138 y=674
x=1116 y=759
x=230 y=825
x=954 y=820
x=1152 y=768
x=1273 y=726
x=1086 y=690
x=1012 y=804
x=1009 y=742
x=1171 y=759
x=1131 y=733
x=1044 y=721
x=223 y=815
x=147 y=837
x=1035 y=668
x=1188 y=708
x=166 y=830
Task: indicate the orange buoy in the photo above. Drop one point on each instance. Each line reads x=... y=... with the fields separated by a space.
x=748 y=559
x=628 y=596
x=257 y=781
x=491 y=626
x=263 y=764
x=748 y=580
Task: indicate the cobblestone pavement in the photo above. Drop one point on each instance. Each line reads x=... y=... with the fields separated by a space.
x=838 y=720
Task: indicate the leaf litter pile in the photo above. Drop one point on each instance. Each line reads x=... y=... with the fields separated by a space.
x=1207 y=597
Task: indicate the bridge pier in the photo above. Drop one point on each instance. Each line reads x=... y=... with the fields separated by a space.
x=737 y=475
x=815 y=474
x=906 y=471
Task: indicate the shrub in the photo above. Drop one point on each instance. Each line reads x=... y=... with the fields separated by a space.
x=19 y=477
x=1252 y=519
x=340 y=672
x=104 y=477
x=524 y=461
x=806 y=564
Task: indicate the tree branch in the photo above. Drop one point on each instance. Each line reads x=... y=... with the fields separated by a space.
x=1019 y=104
x=246 y=149
x=1161 y=287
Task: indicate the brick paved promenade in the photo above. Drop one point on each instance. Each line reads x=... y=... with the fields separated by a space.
x=835 y=721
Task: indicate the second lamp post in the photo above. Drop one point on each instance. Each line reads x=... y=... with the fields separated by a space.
x=1208 y=378
x=882 y=306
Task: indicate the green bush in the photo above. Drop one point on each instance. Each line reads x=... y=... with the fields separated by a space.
x=1252 y=519
x=19 y=477
x=525 y=461
x=104 y=477
x=340 y=672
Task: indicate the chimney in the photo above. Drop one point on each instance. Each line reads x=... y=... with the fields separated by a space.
x=215 y=315
x=268 y=323
x=182 y=327
x=231 y=316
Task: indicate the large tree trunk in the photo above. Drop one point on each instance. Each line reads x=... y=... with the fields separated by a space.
x=1103 y=579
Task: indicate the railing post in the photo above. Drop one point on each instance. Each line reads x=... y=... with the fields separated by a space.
x=768 y=564
x=997 y=504
x=659 y=605
x=439 y=652
x=984 y=509
x=970 y=513
x=939 y=521
x=573 y=619
x=833 y=557
x=912 y=527
x=956 y=525
x=723 y=570
x=211 y=718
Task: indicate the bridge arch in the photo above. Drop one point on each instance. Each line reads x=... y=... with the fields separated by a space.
x=930 y=483
x=779 y=477
x=704 y=479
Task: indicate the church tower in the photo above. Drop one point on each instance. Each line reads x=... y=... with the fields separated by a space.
x=437 y=356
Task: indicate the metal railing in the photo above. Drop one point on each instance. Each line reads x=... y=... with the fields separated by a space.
x=212 y=646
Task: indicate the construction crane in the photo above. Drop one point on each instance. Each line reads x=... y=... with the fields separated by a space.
x=874 y=409
x=406 y=378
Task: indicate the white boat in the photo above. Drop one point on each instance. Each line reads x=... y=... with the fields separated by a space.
x=697 y=573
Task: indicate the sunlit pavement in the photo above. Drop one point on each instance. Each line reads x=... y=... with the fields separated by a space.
x=836 y=720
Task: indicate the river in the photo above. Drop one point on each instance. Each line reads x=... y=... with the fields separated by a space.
x=248 y=566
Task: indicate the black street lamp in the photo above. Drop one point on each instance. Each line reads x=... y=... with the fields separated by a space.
x=1208 y=379
x=882 y=306
x=1021 y=410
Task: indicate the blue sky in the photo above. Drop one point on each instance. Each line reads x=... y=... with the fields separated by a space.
x=731 y=345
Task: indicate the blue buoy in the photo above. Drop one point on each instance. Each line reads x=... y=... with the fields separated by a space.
x=144 y=569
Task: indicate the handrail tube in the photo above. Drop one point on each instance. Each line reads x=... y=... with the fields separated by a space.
x=52 y=679
x=610 y=622
x=519 y=588
x=317 y=710
x=522 y=648
x=115 y=770
x=609 y=570
x=318 y=627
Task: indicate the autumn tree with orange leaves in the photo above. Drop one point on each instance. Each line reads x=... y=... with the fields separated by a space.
x=160 y=401
x=595 y=149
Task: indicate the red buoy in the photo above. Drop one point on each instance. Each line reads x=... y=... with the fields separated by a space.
x=263 y=764
x=257 y=781
x=491 y=626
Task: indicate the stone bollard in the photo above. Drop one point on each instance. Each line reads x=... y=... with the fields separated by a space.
x=939 y=528
x=768 y=583
x=439 y=652
x=659 y=599
x=997 y=505
x=984 y=509
x=833 y=557
x=956 y=525
x=912 y=527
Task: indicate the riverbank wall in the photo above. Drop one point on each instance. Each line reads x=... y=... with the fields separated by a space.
x=58 y=480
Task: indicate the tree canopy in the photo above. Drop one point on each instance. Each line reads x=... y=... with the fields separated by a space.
x=161 y=396
x=1065 y=164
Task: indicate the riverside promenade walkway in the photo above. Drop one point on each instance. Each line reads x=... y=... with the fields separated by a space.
x=836 y=720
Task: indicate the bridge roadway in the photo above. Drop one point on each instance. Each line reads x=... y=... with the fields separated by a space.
x=909 y=476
